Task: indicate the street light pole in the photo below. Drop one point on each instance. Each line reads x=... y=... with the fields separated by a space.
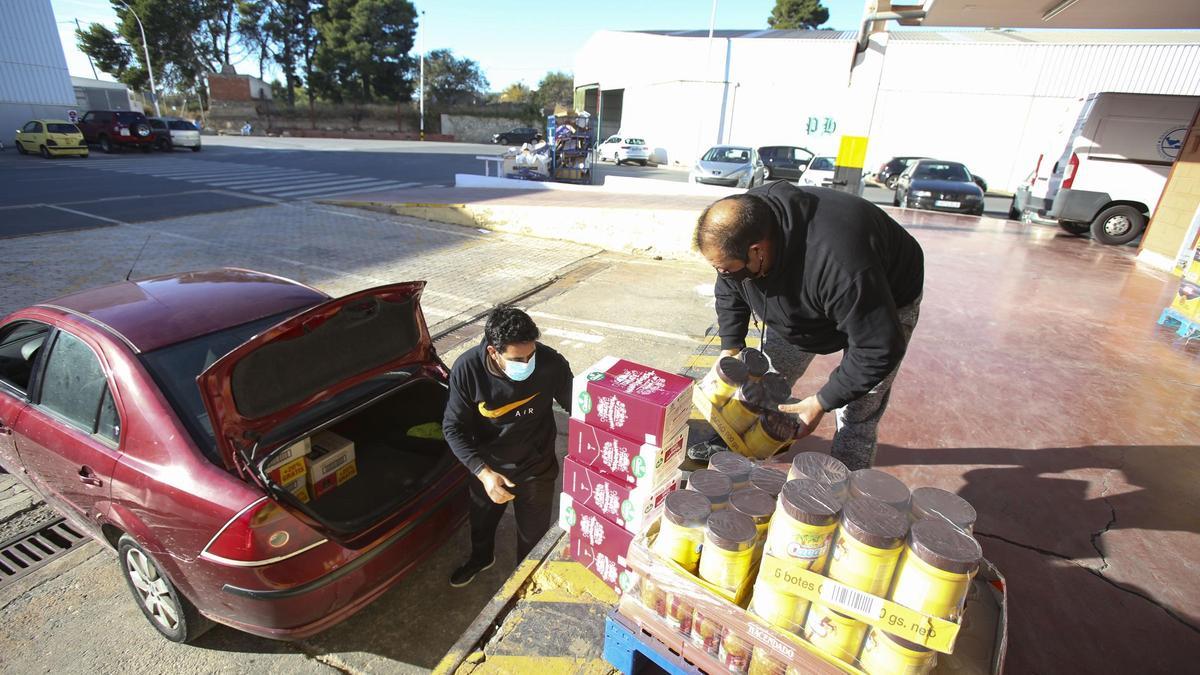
x=421 y=48
x=146 y=51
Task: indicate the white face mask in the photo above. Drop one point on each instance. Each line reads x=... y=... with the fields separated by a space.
x=517 y=371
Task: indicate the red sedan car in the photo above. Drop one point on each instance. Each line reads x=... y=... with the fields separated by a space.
x=147 y=413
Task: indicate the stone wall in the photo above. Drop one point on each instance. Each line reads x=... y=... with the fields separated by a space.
x=472 y=129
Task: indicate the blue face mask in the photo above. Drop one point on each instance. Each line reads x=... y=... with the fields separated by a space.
x=517 y=371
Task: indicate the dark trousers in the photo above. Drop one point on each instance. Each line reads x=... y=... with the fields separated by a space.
x=532 y=507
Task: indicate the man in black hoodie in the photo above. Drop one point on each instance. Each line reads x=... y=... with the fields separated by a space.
x=499 y=422
x=825 y=271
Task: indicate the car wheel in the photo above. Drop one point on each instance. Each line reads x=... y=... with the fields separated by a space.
x=977 y=212
x=147 y=149
x=21 y=149
x=617 y=160
x=106 y=145
x=195 y=148
x=1013 y=212
x=44 y=152
x=1074 y=228
x=642 y=163
x=890 y=182
x=1118 y=225
x=164 y=607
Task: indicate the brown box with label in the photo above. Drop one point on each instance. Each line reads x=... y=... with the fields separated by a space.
x=331 y=462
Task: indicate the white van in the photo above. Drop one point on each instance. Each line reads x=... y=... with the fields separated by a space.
x=1114 y=166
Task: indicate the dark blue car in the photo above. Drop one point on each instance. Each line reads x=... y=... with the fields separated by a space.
x=939 y=186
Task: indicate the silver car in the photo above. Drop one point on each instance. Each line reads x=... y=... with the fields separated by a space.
x=174 y=132
x=730 y=166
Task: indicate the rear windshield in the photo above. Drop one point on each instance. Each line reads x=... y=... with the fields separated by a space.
x=635 y=141
x=942 y=171
x=180 y=125
x=728 y=155
x=61 y=128
x=130 y=117
x=176 y=368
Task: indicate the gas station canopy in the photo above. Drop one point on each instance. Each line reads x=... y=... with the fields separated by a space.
x=1103 y=14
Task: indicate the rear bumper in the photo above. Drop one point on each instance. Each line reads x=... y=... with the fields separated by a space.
x=249 y=602
x=185 y=142
x=1078 y=205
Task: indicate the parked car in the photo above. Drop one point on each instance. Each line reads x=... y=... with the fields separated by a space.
x=978 y=180
x=517 y=136
x=891 y=169
x=116 y=129
x=147 y=411
x=1108 y=178
x=173 y=132
x=819 y=171
x=50 y=138
x=938 y=186
x=620 y=149
x=729 y=165
x=785 y=162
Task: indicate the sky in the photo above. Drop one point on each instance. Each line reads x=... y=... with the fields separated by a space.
x=512 y=41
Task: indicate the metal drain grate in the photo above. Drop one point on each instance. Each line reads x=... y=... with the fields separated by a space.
x=33 y=548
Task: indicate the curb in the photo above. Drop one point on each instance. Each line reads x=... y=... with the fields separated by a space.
x=506 y=597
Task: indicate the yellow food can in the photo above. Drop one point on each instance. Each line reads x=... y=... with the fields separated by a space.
x=714 y=485
x=931 y=502
x=833 y=633
x=782 y=610
x=768 y=480
x=822 y=468
x=885 y=487
x=728 y=550
x=723 y=380
x=733 y=465
x=884 y=654
x=935 y=573
x=802 y=529
x=772 y=431
x=868 y=545
x=739 y=413
x=681 y=528
x=760 y=506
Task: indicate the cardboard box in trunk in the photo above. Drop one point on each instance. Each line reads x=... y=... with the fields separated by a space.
x=289 y=464
x=636 y=402
x=623 y=460
x=596 y=543
x=626 y=506
x=331 y=462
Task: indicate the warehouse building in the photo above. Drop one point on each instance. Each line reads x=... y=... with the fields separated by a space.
x=993 y=99
x=34 y=81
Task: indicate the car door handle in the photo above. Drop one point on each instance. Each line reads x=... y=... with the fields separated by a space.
x=88 y=477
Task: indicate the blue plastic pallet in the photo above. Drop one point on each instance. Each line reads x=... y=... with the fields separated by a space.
x=629 y=652
x=1187 y=327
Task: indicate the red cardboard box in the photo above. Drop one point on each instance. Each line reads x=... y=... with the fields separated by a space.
x=636 y=402
x=627 y=506
x=596 y=543
x=623 y=460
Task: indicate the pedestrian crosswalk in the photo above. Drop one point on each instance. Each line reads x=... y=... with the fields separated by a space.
x=258 y=179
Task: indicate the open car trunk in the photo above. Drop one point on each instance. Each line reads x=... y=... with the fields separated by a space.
x=401 y=460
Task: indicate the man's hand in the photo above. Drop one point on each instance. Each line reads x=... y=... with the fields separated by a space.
x=494 y=484
x=730 y=352
x=808 y=414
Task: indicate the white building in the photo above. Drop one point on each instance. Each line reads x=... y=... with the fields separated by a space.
x=991 y=99
x=34 y=81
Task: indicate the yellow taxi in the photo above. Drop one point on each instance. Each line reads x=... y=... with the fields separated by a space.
x=51 y=138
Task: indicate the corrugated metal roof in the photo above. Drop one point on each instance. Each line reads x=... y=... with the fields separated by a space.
x=1006 y=36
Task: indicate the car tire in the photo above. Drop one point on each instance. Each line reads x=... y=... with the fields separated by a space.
x=1013 y=212
x=890 y=182
x=106 y=145
x=171 y=614
x=977 y=212
x=1118 y=225
x=642 y=162
x=147 y=149
x=617 y=160
x=21 y=149
x=45 y=152
x=195 y=148
x=1077 y=229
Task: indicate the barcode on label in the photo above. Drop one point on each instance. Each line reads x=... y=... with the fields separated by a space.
x=849 y=599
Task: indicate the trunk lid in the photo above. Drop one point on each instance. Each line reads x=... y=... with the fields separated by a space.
x=306 y=359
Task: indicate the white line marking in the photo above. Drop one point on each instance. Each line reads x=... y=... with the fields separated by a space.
x=329 y=186
x=615 y=326
x=384 y=185
x=85 y=214
x=572 y=335
x=263 y=180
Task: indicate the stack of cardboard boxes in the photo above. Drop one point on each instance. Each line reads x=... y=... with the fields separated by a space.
x=314 y=466
x=627 y=436
x=1185 y=308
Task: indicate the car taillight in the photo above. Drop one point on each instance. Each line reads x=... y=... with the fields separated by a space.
x=624 y=147
x=262 y=533
x=1072 y=169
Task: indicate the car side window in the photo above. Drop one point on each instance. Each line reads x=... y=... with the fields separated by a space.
x=73 y=384
x=30 y=128
x=108 y=423
x=87 y=117
x=20 y=345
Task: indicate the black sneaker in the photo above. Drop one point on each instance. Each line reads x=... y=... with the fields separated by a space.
x=466 y=574
x=702 y=451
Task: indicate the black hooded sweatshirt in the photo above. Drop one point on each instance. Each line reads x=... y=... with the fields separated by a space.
x=842 y=266
x=507 y=425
